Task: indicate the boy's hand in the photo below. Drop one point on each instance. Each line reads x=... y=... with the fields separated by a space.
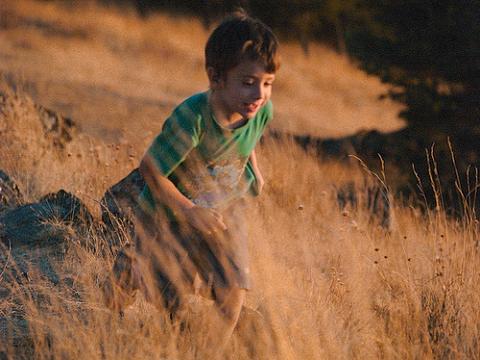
x=259 y=183
x=205 y=220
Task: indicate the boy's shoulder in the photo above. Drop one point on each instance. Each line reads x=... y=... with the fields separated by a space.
x=194 y=112
x=197 y=103
x=190 y=113
x=195 y=108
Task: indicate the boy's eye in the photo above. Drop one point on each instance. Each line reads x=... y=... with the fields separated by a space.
x=248 y=82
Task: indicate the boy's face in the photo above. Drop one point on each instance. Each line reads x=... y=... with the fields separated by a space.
x=243 y=90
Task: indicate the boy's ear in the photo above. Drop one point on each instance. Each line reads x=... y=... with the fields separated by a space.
x=213 y=77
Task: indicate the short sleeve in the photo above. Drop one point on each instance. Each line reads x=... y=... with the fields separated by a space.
x=268 y=111
x=180 y=134
x=264 y=117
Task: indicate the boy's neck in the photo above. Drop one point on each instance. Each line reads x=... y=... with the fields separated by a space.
x=229 y=121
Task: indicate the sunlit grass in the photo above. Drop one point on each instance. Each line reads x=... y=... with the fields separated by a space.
x=327 y=283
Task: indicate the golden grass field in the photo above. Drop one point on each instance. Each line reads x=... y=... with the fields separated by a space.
x=328 y=284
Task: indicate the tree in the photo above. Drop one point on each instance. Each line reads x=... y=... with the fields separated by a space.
x=430 y=51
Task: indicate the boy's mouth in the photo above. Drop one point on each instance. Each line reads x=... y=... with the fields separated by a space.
x=252 y=107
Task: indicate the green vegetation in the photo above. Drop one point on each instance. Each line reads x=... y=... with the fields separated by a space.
x=429 y=50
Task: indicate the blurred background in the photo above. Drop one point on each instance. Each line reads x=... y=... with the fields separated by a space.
x=398 y=79
x=426 y=51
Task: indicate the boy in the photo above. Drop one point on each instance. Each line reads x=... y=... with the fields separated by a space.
x=201 y=165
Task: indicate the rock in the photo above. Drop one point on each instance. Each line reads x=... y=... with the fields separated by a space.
x=371 y=198
x=32 y=224
x=36 y=236
x=74 y=211
x=14 y=330
x=120 y=201
x=10 y=194
x=31 y=279
x=58 y=128
x=53 y=220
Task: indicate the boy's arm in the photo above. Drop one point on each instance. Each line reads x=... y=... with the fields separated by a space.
x=258 y=175
x=165 y=192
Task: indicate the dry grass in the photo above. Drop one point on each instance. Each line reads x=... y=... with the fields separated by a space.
x=120 y=76
x=327 y=284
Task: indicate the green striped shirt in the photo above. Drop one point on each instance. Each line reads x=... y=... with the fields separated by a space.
x=206 y=162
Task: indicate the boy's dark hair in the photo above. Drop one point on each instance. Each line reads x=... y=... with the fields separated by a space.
x=240 y=37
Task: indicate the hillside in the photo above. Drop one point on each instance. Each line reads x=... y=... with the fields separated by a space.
x=115 y=73
x=330 y=279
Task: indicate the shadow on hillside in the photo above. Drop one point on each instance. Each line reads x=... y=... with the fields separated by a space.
x=429 y=168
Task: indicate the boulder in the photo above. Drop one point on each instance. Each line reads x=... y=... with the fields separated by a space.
x=59 y=129
x=73 y=211
x=53 y=220
x=10 y=194
x=120 y=201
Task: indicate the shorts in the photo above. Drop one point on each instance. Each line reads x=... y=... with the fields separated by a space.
x=179 y=252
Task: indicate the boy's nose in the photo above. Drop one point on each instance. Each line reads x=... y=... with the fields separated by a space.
x=259 y=92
